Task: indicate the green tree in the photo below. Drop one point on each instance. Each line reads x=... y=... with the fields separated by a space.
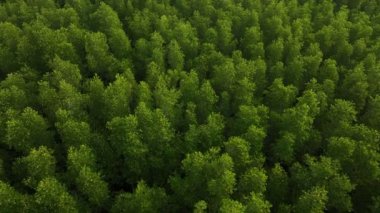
x=98 y=56
x=355 y=87
x=277 y=186
x=59 y=17
x=52 y=196
x=93 y=186
x=225 y=40
x=175 y=56
x=205 y=136
x=284 y=148
x=64 y=71
x=329 y=70
x=71 y=131
x=208 y=177
x=279 y=96
x=257 y=203
x=41 y=45
x=118 y=96
x=232 y=206
x=313 y=200
x=97 y=112
x=340 y=115
x=372 y=112
x=253 y=180
x=12 y=97
x=239 y=150
x=26 y=130
x=106 y=20
x=80 y=157
x=158 y=135
x=126 y=139
x=37 y=165
x=325 y=172
x=10 y=35
x=252 y=44
x=143 y=199
x=11 y=200
x=82 y=169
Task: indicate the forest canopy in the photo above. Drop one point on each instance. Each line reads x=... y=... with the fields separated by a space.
x=189 y=106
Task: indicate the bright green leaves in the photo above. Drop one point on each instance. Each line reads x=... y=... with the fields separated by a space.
x=41 y=45
x=283 y=149
x=52 y=196
x=239 y=151
x=175 y=56
x=209 y=177
x=231 y=206
x=143 y=199
x=91 y=184
x=106 y=20
x=144 y=141
x=26 y=130
x=225 y=40
x=205 y=136
x=11 y=200
x=126 y=140
x=181 y=105
x=98 y=57
x=158 y=134
x=373 y=112
x=64 y=71
x=203 y=96
x=81 y=165
x=358 y=158
x=117 y=96
x=254 y=180
x=327 y=173
x=279 y=96
x=71 y=131
x=355 y=87
x=252 y=44
x=313 y=201
x=12 y=97
x=79 y=158
x=257 y=203
x=339 y=116
x=37 y=165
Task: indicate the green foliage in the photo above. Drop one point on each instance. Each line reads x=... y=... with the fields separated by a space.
x=78 y=158
x=143 y=199
x=37 y=165
x=256 y=203
x=231 y=206
x=253 y=180
x=313 y=200
x=326 y=172
x=238 y=149
x=25 y=130
x=209 y=177
x=279 y=96
x=189 y=106
x=91 y=184
x=72 y=132
x=52 y=196
x=11 y=200
x=278 y=183
x=125 y=137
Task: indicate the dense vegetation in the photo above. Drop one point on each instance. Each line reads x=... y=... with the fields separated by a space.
x=189 y=106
